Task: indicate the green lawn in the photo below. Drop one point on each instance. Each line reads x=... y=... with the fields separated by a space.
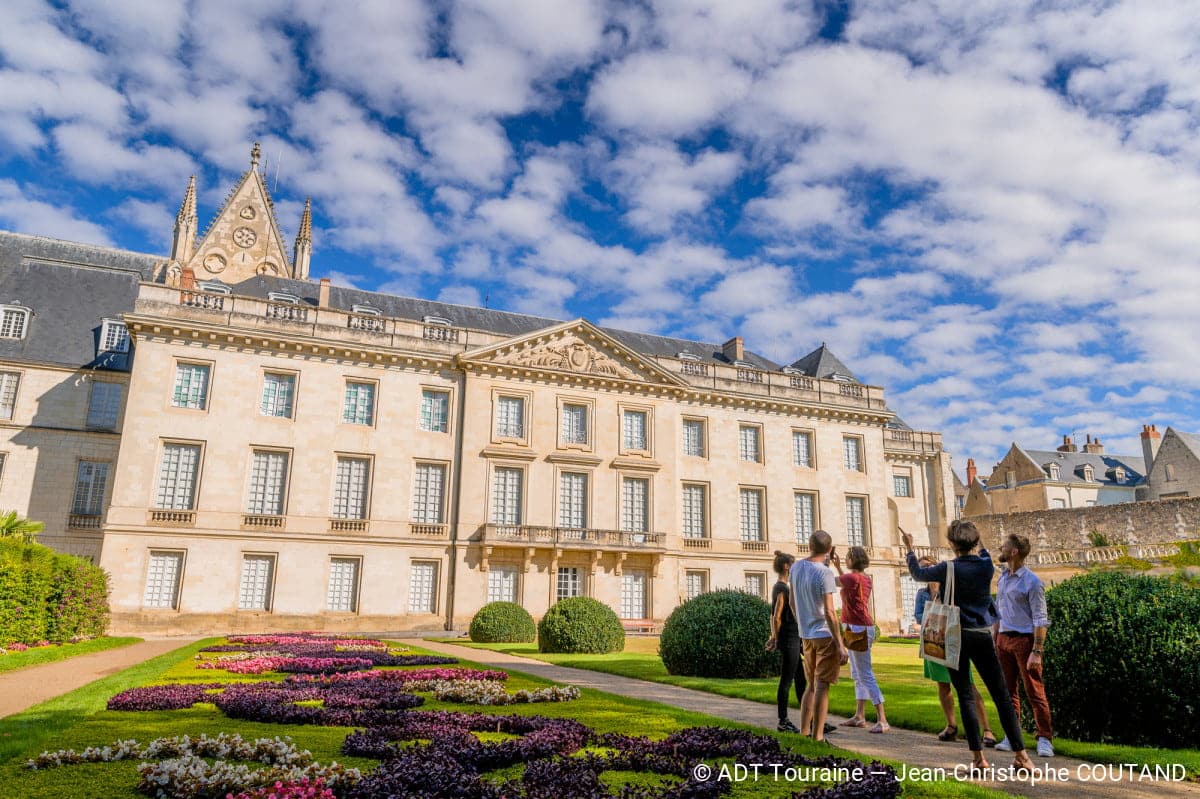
x=911 y=699
x=79 y=719
x=49 y=654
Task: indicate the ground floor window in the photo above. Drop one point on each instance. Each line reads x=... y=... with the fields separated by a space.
x=162 y=580
x=502 y=584
x=755 y=582
x=258 y=577
x=342 y=596
x=633 y=595
x=422 y=589
x=569 y=582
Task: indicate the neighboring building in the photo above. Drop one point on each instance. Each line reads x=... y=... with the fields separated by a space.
x=289 y=454
x=1026 y=480
x=1176 y=463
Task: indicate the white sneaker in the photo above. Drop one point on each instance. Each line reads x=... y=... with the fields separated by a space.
x=1044 y=748
x=1005 y=746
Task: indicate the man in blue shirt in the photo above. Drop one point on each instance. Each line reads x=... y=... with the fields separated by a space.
x=813 y=587
x=1021 y=599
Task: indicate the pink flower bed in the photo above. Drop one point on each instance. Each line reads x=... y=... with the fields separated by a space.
x=301 y=638
x=304 y=789
x=415 y=675
x=297 y=665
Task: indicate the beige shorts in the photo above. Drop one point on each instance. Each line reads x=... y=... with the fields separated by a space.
x=821 y=660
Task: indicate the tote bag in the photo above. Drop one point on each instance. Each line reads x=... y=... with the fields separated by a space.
x=941 y=631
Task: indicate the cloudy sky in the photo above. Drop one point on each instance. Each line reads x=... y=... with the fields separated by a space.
x=989 y=207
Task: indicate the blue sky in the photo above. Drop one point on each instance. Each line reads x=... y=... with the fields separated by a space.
x=992 y=209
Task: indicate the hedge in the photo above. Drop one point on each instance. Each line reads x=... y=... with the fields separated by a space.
x=503 y=622
x=719 y=634
x=47 y=596
x=580 y=625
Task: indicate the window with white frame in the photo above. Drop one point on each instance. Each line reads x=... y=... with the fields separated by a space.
x=422 y=589
x=114 y=336
x=9 y=381
x=13 y=321
x=573 y=426
x=633 y=430
x=635 y=502
x=572 y=500
x=852 y=453
x=435 y=411
x=104 y=405
x=191 y=386
x=802 y=448
x=754 y=583
x=278 y=394
x=908 y=599
x=510 y=417
x=163 y=574
x=506 y=495
x=633 y=594
x=502 y=584
x=750 y=507
x=177 y=477
x=805 y=506
x=569 y=582
x=695 y=583
x=902 y=484
x=91 y=478
x=695 y=510
x=3 y=462
x=214 y=287
x=280 y=296
x=258 y=579
x=693 y=438
x=359 y=405
x=342 y=596
x=351 y=486
x=1057 y=503
x=268 y=483
x=856 y=521
x=749 y=445
x=429 y=488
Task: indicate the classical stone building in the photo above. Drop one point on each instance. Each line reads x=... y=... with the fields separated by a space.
x=270 y=452
x=1174 y=463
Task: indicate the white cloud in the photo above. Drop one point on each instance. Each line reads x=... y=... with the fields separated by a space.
x=27 y=214
x=661 y=183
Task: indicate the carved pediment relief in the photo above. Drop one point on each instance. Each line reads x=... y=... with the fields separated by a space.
x=569 y=354
x=244 y=239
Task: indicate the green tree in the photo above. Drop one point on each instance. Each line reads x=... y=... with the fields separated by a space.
x=13 y=525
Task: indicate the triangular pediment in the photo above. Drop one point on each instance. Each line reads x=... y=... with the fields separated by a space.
x=244 y=239
x=578 y=348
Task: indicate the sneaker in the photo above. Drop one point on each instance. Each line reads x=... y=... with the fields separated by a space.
x=786 y=725
x=1045 y=748
x=1004 y=746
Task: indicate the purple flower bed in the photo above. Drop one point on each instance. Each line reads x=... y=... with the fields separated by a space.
x=541 y=737
x=291 y=665
x=161 y=697
x=326 y=651
x=353 y=704
x=416 y=675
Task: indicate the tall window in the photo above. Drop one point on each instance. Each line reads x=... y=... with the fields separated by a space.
x=506 y=495
x=90 y=480
x=802 y=448
x=268 y=483
x=351 y=486
x=114 y=336
x=693 y=438
x=749 y=448
x=750 y=506
x=258 y=577
x=429 y=487
x=572 y=500
x=695 y=510
x=633 y=430
x=633 y=594
x=279 y=391
x=573 y=427
x=162 y=580
x=8 y=393
x=191 y=386
x=856 y=521
x=902 y=484
x=755 y=582
x=422 y=591
x=908 y=599
x=510 y=417
x=435 y=411
x=359 y=406
x=502 y=584
x=569 y=583
x=635 y=495
x=342 y=596
x=104 y=405
x=852 y=453
x=13 y=322
x=177 y=477
x=695 y=583
x=805 y=515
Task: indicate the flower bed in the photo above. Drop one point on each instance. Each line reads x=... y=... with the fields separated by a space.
x=291 y=665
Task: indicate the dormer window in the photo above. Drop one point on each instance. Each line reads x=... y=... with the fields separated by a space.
x=214 y=287
x=841 y=378
x=1118 y=475
x=114 y=336
x=687 y=356
x=365 y=310
x=279 y=296
x=1089 y=474
x=1052 y=471
x=791 y=370
x=745 y=364
x=14 y=321
x=437 y=320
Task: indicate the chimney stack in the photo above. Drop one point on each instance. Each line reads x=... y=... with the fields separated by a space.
x=971 y=472
x=1093 y=447
x=187 y=279
x=733 y=349
x=323 y=295
x=1068 y=445
x=1150 y=441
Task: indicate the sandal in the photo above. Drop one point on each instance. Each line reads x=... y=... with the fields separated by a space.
x=880 y=728
x=949 y=734
x=989 y=740
x=853 y=722
x=1022 y=763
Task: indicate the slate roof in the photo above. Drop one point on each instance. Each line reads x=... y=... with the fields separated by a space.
x=1071 y=465
x=1190 y=440
x=822 y=363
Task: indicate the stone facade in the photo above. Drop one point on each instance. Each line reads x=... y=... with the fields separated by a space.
x=1161 y=521
x=1176 y=470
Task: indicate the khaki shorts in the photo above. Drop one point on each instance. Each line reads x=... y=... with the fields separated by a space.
x=821 y=660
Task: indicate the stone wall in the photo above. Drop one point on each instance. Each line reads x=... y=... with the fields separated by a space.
x=1160 y=521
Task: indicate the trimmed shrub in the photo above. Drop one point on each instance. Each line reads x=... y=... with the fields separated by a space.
x=1122 y=661
x=580 y=624
x=48 y=596
x=719 y=634
x=503 y=622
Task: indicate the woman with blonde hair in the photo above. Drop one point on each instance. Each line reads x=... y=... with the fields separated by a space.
x=856 y=586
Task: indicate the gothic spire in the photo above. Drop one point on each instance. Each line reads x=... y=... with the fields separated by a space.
x=186 y=224
x=303 y=251
x=255 y=152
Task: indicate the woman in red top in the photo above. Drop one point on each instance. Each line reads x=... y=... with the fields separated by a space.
x=856 y=617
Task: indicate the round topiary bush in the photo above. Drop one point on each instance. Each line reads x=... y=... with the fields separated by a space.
x=503 y=622
x=580 y=624
x=1122 y=661
x=719 y=634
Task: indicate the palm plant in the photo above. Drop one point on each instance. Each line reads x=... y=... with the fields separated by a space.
x=13 y=525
